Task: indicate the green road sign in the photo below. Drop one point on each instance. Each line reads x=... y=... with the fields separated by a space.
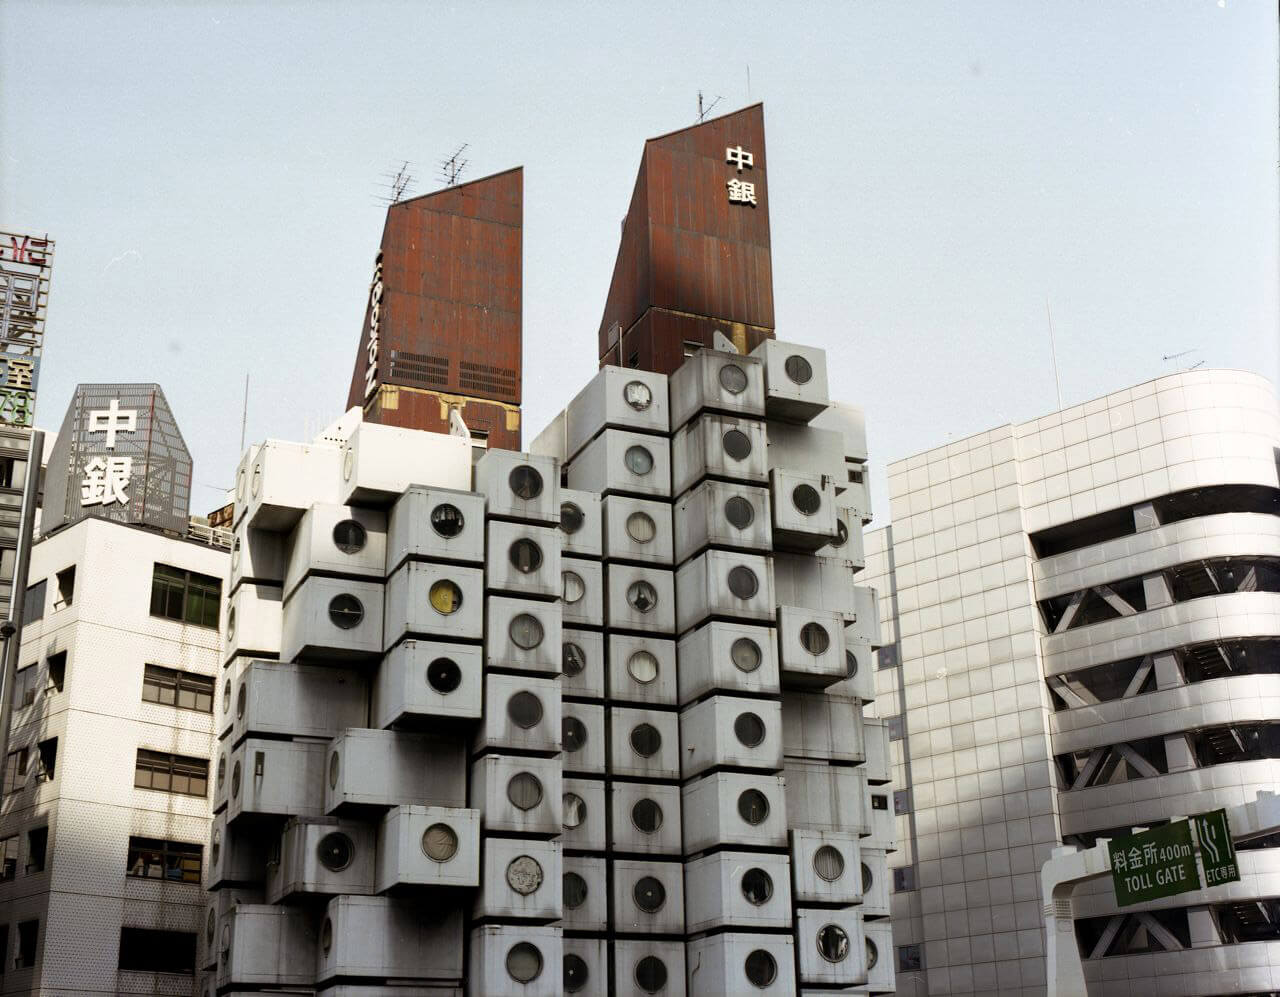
x=1156 y=863
x=1217 y=853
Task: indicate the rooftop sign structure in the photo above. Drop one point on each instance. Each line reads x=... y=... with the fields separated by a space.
x=25 y=265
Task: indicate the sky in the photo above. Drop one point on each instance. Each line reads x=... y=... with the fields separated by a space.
x=938 y=173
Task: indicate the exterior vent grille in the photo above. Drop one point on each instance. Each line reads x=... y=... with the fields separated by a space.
x=419 y=367
x=482 y=377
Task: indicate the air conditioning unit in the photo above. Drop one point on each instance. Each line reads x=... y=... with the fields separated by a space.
x=582 y=523
x=795 y=380
x=734 y=808
x=283 y=480
x=278 y=700
x=875 y=882
x=523 y=634
x=804 y=510
x=746 y=890
x=518 y=795
x=722 y=514
x=236 y=858
x=721 y=584
x=876 y=735
x=731 y=732
x=881 y=972
x=810 y=648
x=519 y=486
x=637 y=530
x=218 y=904
x=257 y=556
x=333 y=619
x=515 y=960
x=582 y=738
x=620 y=462
x=822 y=797
x=586 y=894
x=523 y=714
x=428 y=846
x=644 y=743
x=741 y=963
x=253 y=623
x=261 y=945
x=337 y=540
x=581 y=592
x=275 y=778
x=379 y=462
x=827 y=868
x=582 y=663
x=642 y=670
x=848 y=544
x=390 y=939
x=640 y=598
x=822 y=727
x=523 y=560
x=435 y=524
x=718 y=446
x=816 y=582
x=727 y=657
x=617 y=398
x=586 y=966
x=422 y=682
x=522 y=878
x=644 y=966
x=435 y=601
x=831 y=948
x=712 y=381
x=583 y=806
x=378 y=769
x=646 y=818
x=648 y=897
x=321 y=855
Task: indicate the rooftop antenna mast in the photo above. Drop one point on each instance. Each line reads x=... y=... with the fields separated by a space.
x=397 y=184
x=704 y=111
x=451 y=168
x=1184 y=353
x=1053 y=350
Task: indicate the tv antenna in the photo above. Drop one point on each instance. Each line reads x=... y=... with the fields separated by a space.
x=397 y=184
x=1184 y=353
x=451 y=168
x=704 y=111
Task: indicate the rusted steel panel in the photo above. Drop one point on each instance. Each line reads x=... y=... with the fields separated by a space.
x=412 y=408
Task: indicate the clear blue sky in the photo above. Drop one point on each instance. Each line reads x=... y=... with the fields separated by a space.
x=936 y=170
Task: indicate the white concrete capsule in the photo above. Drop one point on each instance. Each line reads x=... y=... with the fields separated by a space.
x=428 y=846
x=822 y=797
x=644 y=966
x=644 y=743
x=581 y=592
x=822 y=727
x=795 y=380
x=582 y=523
x=522 y=714
x=283 y=480
x=585 y=894
x=875 y=882
x=879 y=768
x=435 y=524
x=523 y=634
x=519 y=486
x=860 y=666
x=743 y=890
x=522 y=559
x=321 y=856
x=849 y=542
x=257 y=556
x=333 y=619
x=379 y=462
x=645 y=818
x=733 y=732
x=218 y=903
x=521 y=878
x=582 y=738
x=714 y=381
x=742 y=963
x=550 y=442
x=827 y=868
x=337 y=540
x=253 y=623
x=866 y=624
x=279 y=699
x=830 y=948
x=586 y=967
x=637 y=530
x=236 y=857
x=583 y=807
x=810 y=648
x=518 y=795
x=383 y=938
x=881 y=971
x=617 y=398
x=825 y=583
x=512 y=960
x=804 y=510
x=275 y=778
x=582 y=663
x=805 y=450
x=434 y=601
x=721 y=584
x=722 y=514
x=640 y=598
x=421 y=682
x=728 y=657
x=383 y=768
x=648 y=896
x=266 y=945
x=626 y=463
x=734 y=808
x=718 y=446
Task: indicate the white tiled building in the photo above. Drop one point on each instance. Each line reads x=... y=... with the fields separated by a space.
x=1082 y=620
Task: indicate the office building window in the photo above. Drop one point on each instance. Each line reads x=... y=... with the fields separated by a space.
x=879 y=802
x=57 y=672
x=170 y=687
x=28 y=935
x=904 y=878
x=171 y=773
x=15 y=770
x=33 y=606
x=37 y=849
x=65 y=595
x=147 y=951
x=47 y=752
x=887 y=657
x=8 y=862
x=185 y=596
x=902 y=801
x=175 y=861
x=24 y=686
x=910 y=959
x=6 y=473
x=896 y=728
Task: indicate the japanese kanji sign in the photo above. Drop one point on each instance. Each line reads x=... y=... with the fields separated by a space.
x=740 y=191
x=1156 y=863
x=1217 y=853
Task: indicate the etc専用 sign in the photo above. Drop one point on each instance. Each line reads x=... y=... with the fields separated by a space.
x=1217 y=853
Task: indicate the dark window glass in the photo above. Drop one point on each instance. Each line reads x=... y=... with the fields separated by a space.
x=571 y=518
x=576 y=973
x=525 y=710
x=646 y=815
x=749 y=729
x=345 y=611
x=28 y=936
x=896 y=728
x=173 y=861
x=761 y=968
x=573 y=734
x=57 y=671
x=904 y=878
x=887 y=657
x=25 y=685
x=572 y=659
x=651 y=974
x=444 y=675
x=910 y=959
x=798 y=369
x=147 y=951
x=879 y=801
x=743 y=582
x=526 y=556
x=526 y=482
x=814 y=638
x=47 y=755
x=739 y=512
x=806 y=498
x=15 y=770
x=350 y=537
x=33 y=607
x=757 y=886
x=753 y=806
x=185 y=596
x=170 y=687
x=37 y=849
x=447 y=520
x=737 y=444
x=902 y=801
x=171 y=773
x=649 y=894
x=8 y=862
x=575 y=890
x=66 y=592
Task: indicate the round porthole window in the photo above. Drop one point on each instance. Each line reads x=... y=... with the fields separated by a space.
x=444 y=675
x=806 y=498
x=235 y=780
x=335 y=851
x=571 y=517
x=572 y=587
x=851 y=663
x=873 y=955
x=742 y=582
x=255 y=485
x=525 y=710
x=651 y=974
x=638 y=460
x=222 y=769
x=345 y=611
x=348 y=465
x=445 y=597
x=646 y=740
x=842 y=534
x=814 y=639
x=446 y=519
x=745 y=654
x=642 y=596
x=638 y=395
x=526 y=556
x=524 y=790
x=641 y=528
x=235 y=554
x=573 y=734
x=761 y=969
x=231 y=623
x=241 y=701
x=335 y=763
x=215 y=848
x=757 y=887
x=643 y=667
x=350 y=537
x=524 y=875
x=753 y=807
x=525 y=631
x=739 y=512
x=866 y=878
x=326 y=936
x=226 y=697
x=737 y=444
x=210 y=927
x=833 y=943
x=524 y=962
x=646 y=815
x=240 y=479
x=572 y=659
x=749 y=729
x=649 y=894
x=733 y=379
x=439 y=842
x=828 y=863
x=575 y=890
x=575 y=809
x=576 y=973
x=798 y=369
x=525 y=482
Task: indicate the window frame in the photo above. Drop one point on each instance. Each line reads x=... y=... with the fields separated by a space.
x=171 y=768
x=178 y=683
x=164 y=942
x=7 y=857
x=185 y=596
x=165 y=856
x=19 y=761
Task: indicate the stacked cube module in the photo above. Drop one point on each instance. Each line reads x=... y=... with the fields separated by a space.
x=586 y=720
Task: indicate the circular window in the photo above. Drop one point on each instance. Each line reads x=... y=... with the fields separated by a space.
x=335 y=851
x=210 y=926
x=757 y=887
x=828 y=863
x=842 y=534
x=524 y=790
x=573 y=734
x=524 y=875
x=814 y=639
x=761 y=969
x=873 y=955
x=745 y=654
x=444 y=676
x=345 y=611
x=222 y=769
x=651 y=974
x=833 y=943
x=798 y=369
x=575 y=809
x=446 y=519
x=641 y=528
x=226 y=697
x=526 y=556
x=524 y=962
x=753 y=807
x=572 y=659
x=733 y=379
x=575 y=890
x=240 y=485
x=235 y=779
x=350 y=537
x=851 y=663
x=737 y=444
x=572 y=587
x=439 y=842
x=348 y=465
x=235 y=554
x=638 y=460
x=742 y=582
x=649 y=894
x=576 y=973
x=638 y=395
x=445 y=597
x=215 y=848
x=749 y=729
x=806 y=498
x=646 y=740
x=571 y=517
x=255 y=485
x=335 y=765
x=525 y=710
x=739 y=512
x=866 y=878
x=525 y=631
x=643 y=667
x=231 y=623
x=241 y=701
x=326 y=936
x=525 y=481
x=646 y=815
x=642 y=596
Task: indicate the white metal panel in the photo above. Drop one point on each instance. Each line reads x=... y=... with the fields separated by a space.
x=642 y=670
x=522 y=713
x=310 y=618
x=644 y=743
x=519 y=486
x=724 y=585
x=582 y=523
x=724 y=514
x=851 y=423
x=794 y=389
x=730 y=731
x=491 y=951
x=280 y=778
x=804 y=510
x=648 y=896
x=723 y=809
x=522 y=559
x=629 y=967
x=235 y=856
x=822 y=797
x=522 y=878
x=718 y=964
x=707 y=660
x=285 y=479
x=420 y=682
x=846 y=941
x=257 y=556
x=379 y=462
x=550 y=442
x=881 y=968
x=436 y=524
x=816 y=582
x=826 y=866
x=314 y=544
x=629 y=605
x=502 y=802
x=403 y=859
x=266 y=945
x=581 y=592
x=278 y=699
x=819 y=664
x=849 y=543
x=744 y=890
x=806 y=450
x=630 y=803
x=384 y=768
x=879 y=769
x=321 y=856
x=621 y=398
x=253 y=624
x=715 y=381
x=637 y=529
x=604 y=466
x=523 y=634
x=438 y=601
x=382 y=938
x=822 y=727
x=589 y=912
x=718 y=446
x=875 y=882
